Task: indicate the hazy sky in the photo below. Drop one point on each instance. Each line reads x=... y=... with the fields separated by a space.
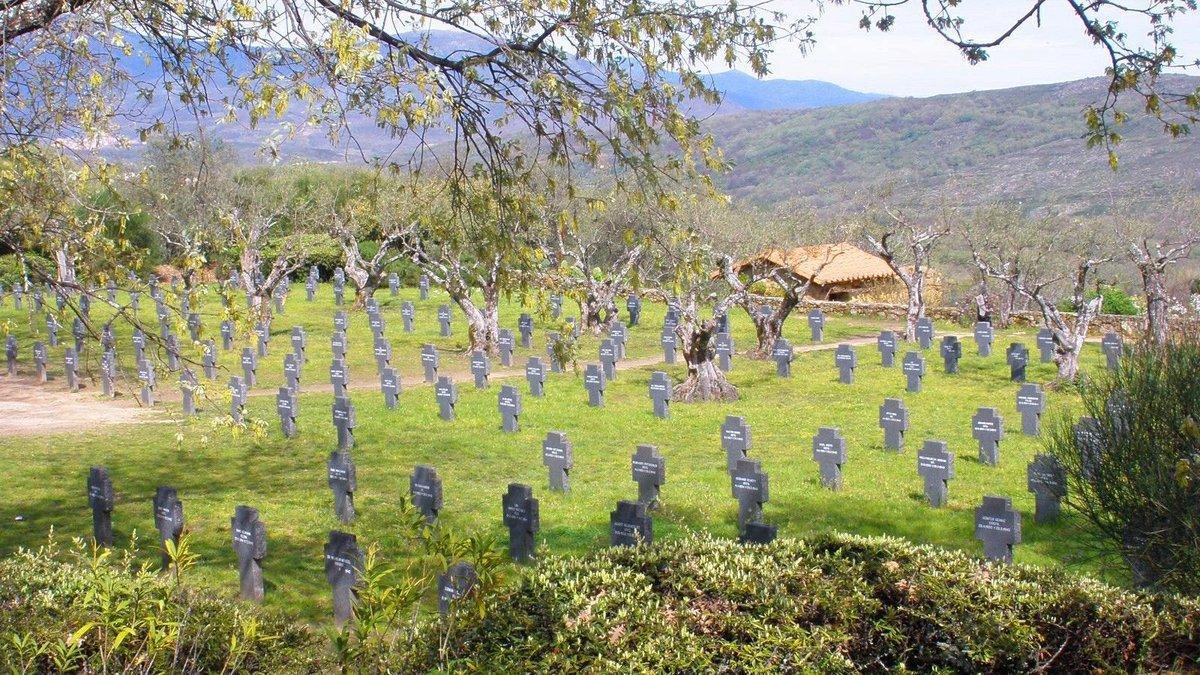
x=912 y=60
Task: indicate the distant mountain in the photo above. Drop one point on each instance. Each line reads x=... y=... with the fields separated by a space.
x=1015 y=145
x=751 y=93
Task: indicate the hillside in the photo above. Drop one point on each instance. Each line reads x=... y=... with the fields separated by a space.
x=1021 y=144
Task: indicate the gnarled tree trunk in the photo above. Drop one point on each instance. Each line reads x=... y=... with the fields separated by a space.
x=705 y=381
x=769 y=327
x=598 y=307
x=483 y=323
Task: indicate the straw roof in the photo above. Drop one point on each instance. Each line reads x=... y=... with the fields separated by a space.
x=824 y=264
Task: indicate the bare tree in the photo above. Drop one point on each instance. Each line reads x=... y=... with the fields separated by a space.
x=1153 y=249
x=367 y=274
x=1045 y=263
x=906 y=244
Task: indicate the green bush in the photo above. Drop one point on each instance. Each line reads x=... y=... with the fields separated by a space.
x=1115 y=301
x=10 y=268
x=833 y=603
x=73 y=609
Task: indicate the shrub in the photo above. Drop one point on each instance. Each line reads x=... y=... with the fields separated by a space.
x=75 y=609
x=832 y=603
x=1115 y=301
x=10 y=268
x=1136 y=477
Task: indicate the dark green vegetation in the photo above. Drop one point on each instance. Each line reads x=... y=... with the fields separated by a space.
x=968 y=150
x=1134 y=474
x=830 y=603
x=215 y=470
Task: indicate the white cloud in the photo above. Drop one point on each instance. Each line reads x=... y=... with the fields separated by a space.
x=912 y=60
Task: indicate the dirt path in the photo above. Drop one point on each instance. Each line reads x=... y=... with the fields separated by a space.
x=28 y=407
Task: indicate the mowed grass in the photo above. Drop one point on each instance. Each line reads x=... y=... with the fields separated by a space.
x=214 y=471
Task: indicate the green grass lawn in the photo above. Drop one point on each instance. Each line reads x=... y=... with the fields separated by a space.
x=215 y=471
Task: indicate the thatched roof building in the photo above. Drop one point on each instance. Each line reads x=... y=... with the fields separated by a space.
x=837 y=271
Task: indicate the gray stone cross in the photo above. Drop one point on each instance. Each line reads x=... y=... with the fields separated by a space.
x=523 y=520
x=985 y=336
x=389 y=385
x=446 y=393
x=630 y=525
x=344 y=420
x=407 y=312
x=558 y=457
x=291 y=372
x=425 y=488
x=423 y=286
x=735 y=440
x=430 y=361
x=188 y=387
x=608 y=358
x=343 y=481
x=481 y=369
x=237 y=399
x=285 y=406
x=340 y=322
x=168 y=520
x=456 y=583
x=145 y=374
x=816 y=324
x=226 y=335
x=829 y=452
x=723 y=345
x=633 y=304
x=987 y=427
x=1113 y=346
x=1017 y=357
x=40 y=357
x=1031 y=402
x=300 y=343
x=101 y=499
x=913 y=367
x=935 y=464
x=660 y=394
x=535 y=375
x=249 y=539
x=382 y=351
x=552 y=352
x=846 y=360
x=925 y=332
x=525 y=328
x=1047 y=480
x=650 y=473
x=619 y=334
x=249 y=367
x=444 y=320
x=339 y=377
x=71 y=368
x=782 y=355
x=951 y=352
x=262 y=334
x=343 y=562
x=10 y=354
x=594 y=382
x=509 y=404
x=1045 y=344
x=208 y=359
x=998 y=526
x=505 y=343
x=669 y=343
x=751 y=489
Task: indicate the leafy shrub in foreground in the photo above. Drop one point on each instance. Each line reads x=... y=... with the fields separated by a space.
x=833 y=603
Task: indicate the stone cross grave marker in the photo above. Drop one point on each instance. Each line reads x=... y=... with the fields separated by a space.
x=168 y=520
x=134 y=300
x=509 y=405
x=343 y=481
x=249 y=367
x=669 y=343
x=208 y=359
x=285 y=406
x=935 y=464
x=1047 y=480
x=525 y=328
x=724 y=348
x=340 y=322
x=376 y=323
x=535 y=375
x=280 y=298
x=173 y=352
x=344 y=420
x=444 y=320
x=481 y=369
x=951 y=353
x=407 y=312
x=650 y=473
x=522 y=519
x=552 y=339
x=456 y=583
x=394 y=283
x=79 y=333
x=300 y=343
x=226 y=335
x=446 y=393
x=249 y=538
x=572 y=327
x=722 y=322
x=85 y=304
x=339 y=292
x=383 y=353
x=1031 y=402
x=988 y=429
x=619 y=334
x=101 y=499
x=40 y=360
x=558 y=457
x=1089 y=440
x=423 y=286
x=70 y=367
x=389 y=384
x=10 y=354
x=193 y=326
x=188 y=386
x=985 y=336
x=1112 y=345
x=846 y=360
x=660 y=394
x=237 y=399
x=291 y=372
x=52 y=329
x=108 y=339
x=751 y=490
x=148 y=379
x=1045 y=344
x=108 y=373
x=913 y=367
x=310 y=289
x=111 y=291
x=633 y=304
x=998 y=526
x=925 y=332
x=593 y=381
x=630 y=525
x=829 y=452
x=505 y=343
x=1018 y=358
x=608 y=358
x=425 y=488
x=139 y=344
x=262 y=334
x=783 y=355
x=556 y=303
x=343 y=561
x=430 y=361
x=816 y=324
x=735 y=440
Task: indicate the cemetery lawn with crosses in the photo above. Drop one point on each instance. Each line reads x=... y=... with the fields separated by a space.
x=214 y=471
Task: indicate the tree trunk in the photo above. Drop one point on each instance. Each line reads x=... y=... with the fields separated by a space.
x=1157 y=325
x=483 y=323
x=767 y=330
x=705 y=381
x=598 y=308
x=916 y=309
x=1069 y=339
